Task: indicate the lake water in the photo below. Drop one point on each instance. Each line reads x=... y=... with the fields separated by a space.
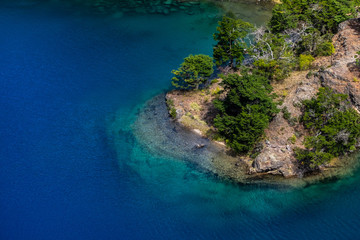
x=73 y=80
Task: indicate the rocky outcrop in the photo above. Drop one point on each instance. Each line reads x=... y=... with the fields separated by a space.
x=343 y=76
x=275 y=160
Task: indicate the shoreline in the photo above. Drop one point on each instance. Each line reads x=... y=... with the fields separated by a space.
x=162 y=136
x=194 y=110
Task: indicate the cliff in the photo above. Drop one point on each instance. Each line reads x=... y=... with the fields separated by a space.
x=275 y=154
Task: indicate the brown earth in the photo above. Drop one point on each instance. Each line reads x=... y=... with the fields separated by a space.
x=195 y=109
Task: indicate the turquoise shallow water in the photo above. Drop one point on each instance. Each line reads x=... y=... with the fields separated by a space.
x=73 y=163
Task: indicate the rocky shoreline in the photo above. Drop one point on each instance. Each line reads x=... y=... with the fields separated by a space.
x=275 y=154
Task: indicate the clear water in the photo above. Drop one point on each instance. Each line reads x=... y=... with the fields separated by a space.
x=72 y=166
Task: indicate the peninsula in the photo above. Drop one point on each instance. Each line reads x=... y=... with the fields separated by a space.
x=284 y=98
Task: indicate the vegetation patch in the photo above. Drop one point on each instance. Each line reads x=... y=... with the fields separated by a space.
x=195 y=106
x=193 y=122
x=335 y=128
x=357 y=58
x=286 y=113
x=246 y=110
x=305 y=61
x=292 y=139
x=171 y=108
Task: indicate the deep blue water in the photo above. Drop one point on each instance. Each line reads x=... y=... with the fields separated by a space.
x=68 y=78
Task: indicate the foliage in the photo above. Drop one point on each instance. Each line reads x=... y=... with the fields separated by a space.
x=195 y=106
x=325 y=49
x=216 y=91
x=193 y=71
x=310 y=24
x=292 y=139
x=171 y=108
x=335 y=127
x=324 y=15
x=272 y=53
x=305 y=61
x=214 y=81
x=230 y=48
x=246 y=110
x=357 y=58
x=286 y=113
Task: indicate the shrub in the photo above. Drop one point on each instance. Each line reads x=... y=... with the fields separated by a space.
x=357 y=58
x=325 y=49
x=171 y=108
x=216 y=91
x=214 y=81
x=309 y=74
x=305 y=61
x=292 y=139
x=286 y=113
x=274 y=69
x=173 y=113
x=195 y=106
x=284 y=93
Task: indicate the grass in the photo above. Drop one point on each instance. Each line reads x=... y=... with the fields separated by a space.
x=193 y=122
x=195 y=106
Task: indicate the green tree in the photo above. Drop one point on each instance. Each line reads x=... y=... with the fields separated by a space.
x=194 y=71
x=246 y=111
x=230 y=47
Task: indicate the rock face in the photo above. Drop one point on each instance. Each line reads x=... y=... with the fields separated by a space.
x=275 y=160
x=344 y=76
x=339 y=72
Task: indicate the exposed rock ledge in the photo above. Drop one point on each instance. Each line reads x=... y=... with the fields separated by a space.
x=194 y=109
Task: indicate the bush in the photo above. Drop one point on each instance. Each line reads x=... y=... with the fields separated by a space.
x=292 y=139
x=305 y=61
x=286 y=113
x=216 y=91
x=195 y=106
x=325 y=49
x=274 y=70
x=357 y=58
x=214 y=81
x=173 y=113
x=171 y=108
